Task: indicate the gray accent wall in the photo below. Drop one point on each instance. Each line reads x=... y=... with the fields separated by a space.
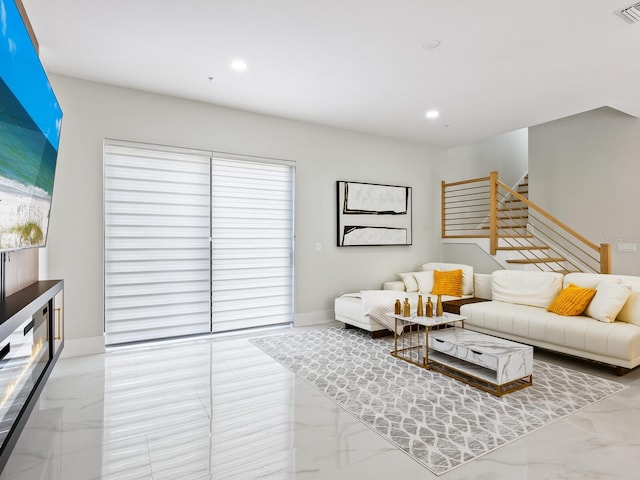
x=585 y=170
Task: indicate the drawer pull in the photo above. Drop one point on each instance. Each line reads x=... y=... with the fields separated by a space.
x=438 y=340
x=476 y=352
x=28 y=327
x=5 y=351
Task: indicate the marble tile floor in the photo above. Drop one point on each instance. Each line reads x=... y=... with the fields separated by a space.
x=219 y=408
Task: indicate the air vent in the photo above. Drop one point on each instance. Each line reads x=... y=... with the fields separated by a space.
x=632 y=13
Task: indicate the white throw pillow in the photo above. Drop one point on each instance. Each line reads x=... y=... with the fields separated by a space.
x=425 y=281
x=609 y=299
x=410 y=283
x=630 y=312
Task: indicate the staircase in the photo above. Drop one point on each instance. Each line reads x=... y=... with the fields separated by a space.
x=521 y=234
x=513 y=218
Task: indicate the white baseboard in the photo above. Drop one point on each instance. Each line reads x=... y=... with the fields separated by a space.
x=78 y=347
x=313 y=318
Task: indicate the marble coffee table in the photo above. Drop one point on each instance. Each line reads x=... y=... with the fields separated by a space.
x=492 y=364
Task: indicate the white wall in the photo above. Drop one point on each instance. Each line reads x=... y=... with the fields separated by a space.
x=584 y=170
x=95 y=111
x=507 y=154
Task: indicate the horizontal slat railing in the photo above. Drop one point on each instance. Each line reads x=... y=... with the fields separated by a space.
x=465 y=206
x=487 y=208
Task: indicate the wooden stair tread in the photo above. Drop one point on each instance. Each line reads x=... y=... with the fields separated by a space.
x=517 y=217
x=505 y=227
x=536 y=260
x=513 y=208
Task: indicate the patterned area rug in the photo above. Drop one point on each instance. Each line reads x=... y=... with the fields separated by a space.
x=440 y=422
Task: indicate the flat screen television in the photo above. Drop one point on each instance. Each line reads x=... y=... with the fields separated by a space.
x=30 y=122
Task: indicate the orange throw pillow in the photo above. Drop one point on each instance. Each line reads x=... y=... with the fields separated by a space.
x=572 y=301
x=447 y=283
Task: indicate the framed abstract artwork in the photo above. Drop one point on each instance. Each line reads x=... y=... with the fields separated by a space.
x=372 y=214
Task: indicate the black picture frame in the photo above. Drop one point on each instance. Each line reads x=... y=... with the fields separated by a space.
x=372 y=214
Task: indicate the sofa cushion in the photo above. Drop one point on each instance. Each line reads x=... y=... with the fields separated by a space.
x=482 y=285
x=410 y=283
x=591 y=280
x=572 y=301
x=467 y=273
x=425 y=281
x=630 y=312
x=587 y=280
x=447 y=283
x=609 y=299
x=582 y=334
x=394 y=285
x=525 y=287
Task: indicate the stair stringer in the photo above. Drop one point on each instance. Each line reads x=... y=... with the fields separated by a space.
x=500 y=257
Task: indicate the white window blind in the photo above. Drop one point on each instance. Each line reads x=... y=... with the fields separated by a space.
x=252 y=243
x=194 y=243
x=157 y=251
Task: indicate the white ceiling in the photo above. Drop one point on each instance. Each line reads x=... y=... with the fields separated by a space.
x=359 y=64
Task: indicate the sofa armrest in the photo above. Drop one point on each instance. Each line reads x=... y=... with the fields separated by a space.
x=482 y=285
x=395 y=285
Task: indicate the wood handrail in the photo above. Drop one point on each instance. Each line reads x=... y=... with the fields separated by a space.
x=605 y=258
x=550 y=217
x=463 y=182
x=493 y=209
x=499 y=192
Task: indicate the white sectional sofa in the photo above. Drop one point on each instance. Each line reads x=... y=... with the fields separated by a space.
x=352 y=308
x=518 y=311
x=608 y=331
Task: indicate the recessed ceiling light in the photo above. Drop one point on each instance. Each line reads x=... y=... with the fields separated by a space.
x=431 y=114
x=239 y=65
x=432 y=44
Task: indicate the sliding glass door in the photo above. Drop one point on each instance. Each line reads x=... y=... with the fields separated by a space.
x=194 y=243
x=156 y=250
x=252 y=243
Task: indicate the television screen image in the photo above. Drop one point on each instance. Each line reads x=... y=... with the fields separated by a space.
x=30 y=121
